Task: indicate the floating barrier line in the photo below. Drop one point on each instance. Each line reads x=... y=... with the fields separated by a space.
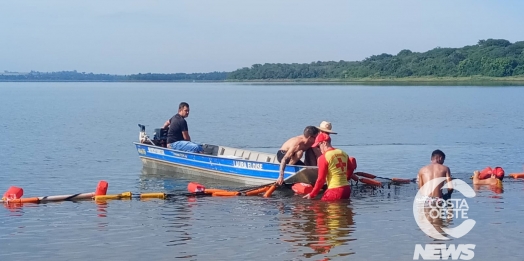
x=517 y=175
x=89 y=195
x=394 y=180
x=14 y=194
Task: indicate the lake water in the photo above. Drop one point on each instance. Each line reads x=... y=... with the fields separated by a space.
x=62 y=138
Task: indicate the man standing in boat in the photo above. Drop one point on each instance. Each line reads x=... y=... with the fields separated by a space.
x=292 y=150
x=178 y=135
x=334 y=168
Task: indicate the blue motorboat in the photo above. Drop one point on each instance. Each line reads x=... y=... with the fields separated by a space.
x=219 y=162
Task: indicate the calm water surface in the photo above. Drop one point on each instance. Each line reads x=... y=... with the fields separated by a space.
x=62 y=138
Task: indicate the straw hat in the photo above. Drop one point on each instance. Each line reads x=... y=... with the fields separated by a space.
x=325 y=126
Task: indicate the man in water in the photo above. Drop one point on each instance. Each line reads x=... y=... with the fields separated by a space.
x=494 y=180
x=436 y=169
x=292 y=150
x=334 y=168
x=178 y=135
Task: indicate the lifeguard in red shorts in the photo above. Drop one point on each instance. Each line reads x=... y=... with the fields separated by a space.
x=335 y=168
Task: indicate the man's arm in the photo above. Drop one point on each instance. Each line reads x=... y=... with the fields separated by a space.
x=185 y=134
x=321 y=179
x=448 y=177
x=477 y=181
x=166 y=124
x=420 y=181
x=185 y=131
x=283 y=163
x=352 y=165
x=296 y=157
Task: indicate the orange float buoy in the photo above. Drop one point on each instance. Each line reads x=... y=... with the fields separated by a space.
x=23 y=200
x=398 y=180
x=225 y=194
x=367 y=175
x=371 y=182
x=302 y=188
x=13 y=193
x=270 y=191
x=101 y=188
x=194 y=187
x=255 y=192
x=517 y=175
x=485 y=173
x=211 y=191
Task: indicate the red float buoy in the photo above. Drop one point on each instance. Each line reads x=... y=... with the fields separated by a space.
x=101 y=189
x=194 y=187
x=13 y=193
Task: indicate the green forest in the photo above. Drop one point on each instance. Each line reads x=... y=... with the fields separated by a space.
x=488 y=59
x=491 y=58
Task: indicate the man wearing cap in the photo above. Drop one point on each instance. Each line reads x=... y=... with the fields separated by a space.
x=325 y=126
x=334 y=168
x=312 y=154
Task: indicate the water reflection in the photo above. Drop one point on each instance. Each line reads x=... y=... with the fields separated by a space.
x=435 y=219
x=101 y=208
x=495 y=189
x=321 y=226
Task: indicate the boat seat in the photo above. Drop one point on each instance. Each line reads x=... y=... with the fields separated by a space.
x=215 y=150
x=208 y=149
x=228 y=152
x=271 y=158
x=239 y=153
x=253 y=156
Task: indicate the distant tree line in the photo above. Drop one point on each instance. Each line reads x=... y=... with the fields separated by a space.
x=59 y=76
x=212 y=76
x=89 y=77
x=492 y=57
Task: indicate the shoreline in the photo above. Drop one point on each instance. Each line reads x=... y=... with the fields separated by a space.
x=477 y=80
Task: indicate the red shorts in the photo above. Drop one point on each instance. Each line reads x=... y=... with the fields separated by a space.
x=343 y=192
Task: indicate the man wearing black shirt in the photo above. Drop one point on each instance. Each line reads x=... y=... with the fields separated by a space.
x=178 y=134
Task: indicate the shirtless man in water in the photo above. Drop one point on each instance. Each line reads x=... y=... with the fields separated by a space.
x=436 y=169
x=292 y=150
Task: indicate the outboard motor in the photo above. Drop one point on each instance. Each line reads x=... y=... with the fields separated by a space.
x=160 y=136
x=142 y=136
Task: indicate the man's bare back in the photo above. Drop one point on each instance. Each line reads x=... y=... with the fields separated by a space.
x=292 y=150
x=436 y=169
x=297 y=145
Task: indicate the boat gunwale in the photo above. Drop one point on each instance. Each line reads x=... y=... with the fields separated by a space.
x=213 y=156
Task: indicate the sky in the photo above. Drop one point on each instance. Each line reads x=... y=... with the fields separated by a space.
x=171 y=36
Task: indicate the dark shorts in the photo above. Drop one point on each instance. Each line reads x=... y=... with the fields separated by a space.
x=434 y=202
x=282 y=153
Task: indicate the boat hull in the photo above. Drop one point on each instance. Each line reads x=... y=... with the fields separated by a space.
x=221 y=168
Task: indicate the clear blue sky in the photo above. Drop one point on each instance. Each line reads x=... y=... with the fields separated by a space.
x=125 y=37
